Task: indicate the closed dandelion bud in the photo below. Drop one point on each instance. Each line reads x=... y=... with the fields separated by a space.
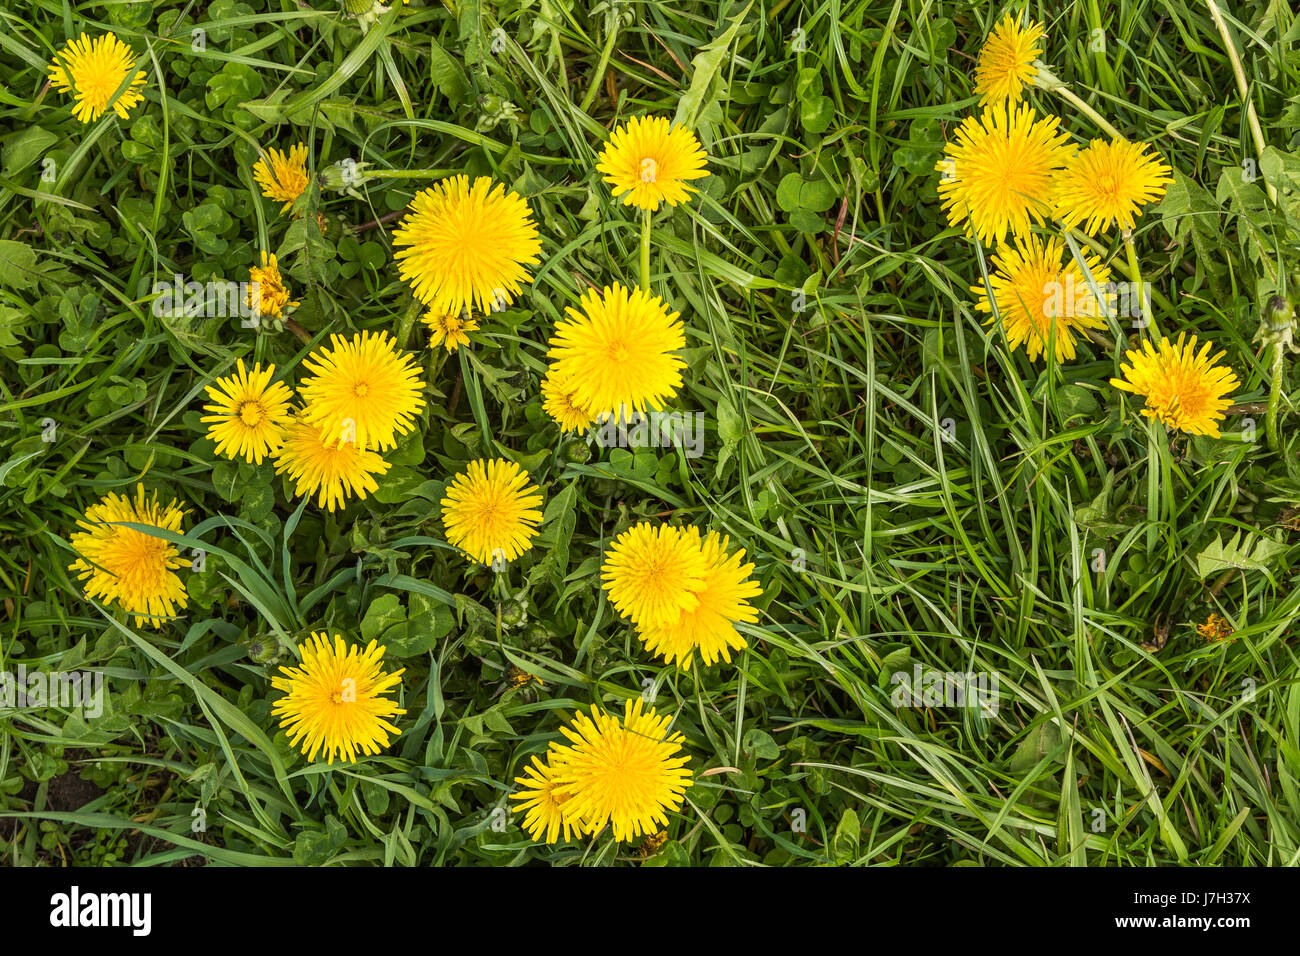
x=514 y=613
x=495 y=110
x=366 y=12
x=1277 y=323
x=343 y=176
x=264 y=650
x=576 y=452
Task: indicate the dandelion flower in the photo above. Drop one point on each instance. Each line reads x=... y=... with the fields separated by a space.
x=997 y=174
x=448 y=329
x=248 y=413
x=490 y=511
x=331 y=470
x=652 y=844
x=468 y=245
x=619 y=353
x=363 y=391
x=1106 y=183
x=709 y=629
x=267 y=293
x=1215 y=628
x=94 y=71
x=1037 y=297
x=543 y=810
x=1006 y=63
x=283 y=178
x=651 y=161
x=654 y=573
x=1183 y=388
x=622 y=774
x=132 y=568
x=334 y=700
x=559 y=402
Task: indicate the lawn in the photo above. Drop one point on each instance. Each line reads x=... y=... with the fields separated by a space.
x=988 y=611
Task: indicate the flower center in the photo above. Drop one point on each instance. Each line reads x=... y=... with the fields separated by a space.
x=361 y=390
x=252 y=414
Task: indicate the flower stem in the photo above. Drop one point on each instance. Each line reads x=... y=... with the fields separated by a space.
x=303 y=335
x=369 y=174
x=1252 y=117
x=645 y=251
x=408 y=321
x=1275 y=395
x=1138 y=290
x=1069 y=96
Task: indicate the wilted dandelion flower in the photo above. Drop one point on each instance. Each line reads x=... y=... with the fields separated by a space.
x=652 y=844
x=627 y=774
x=1106 y=183
x=1037 y=297
x=467 y=245
x=654 y=573
x=131 y=568
x=267 y=293
x=248 y=413
x=362 y=391
x=709 y=629
x=334 y=700
x=619 y=353
x=1006 y=62
x=331 y=470
x=996 y=175
x=543 y=809
x=93 y=71
x=490 y=511
x=448 y=329
x=1183 y=388
x=559 y=402
x=283 y=178
x=651 y=161
x=1215 y=628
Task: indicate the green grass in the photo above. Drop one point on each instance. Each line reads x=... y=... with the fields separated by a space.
x=879 y=543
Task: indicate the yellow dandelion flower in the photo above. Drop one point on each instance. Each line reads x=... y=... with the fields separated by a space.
x=619 y=353
x=543 y=809
x=1037 y=297
x=248 y=413
x=623 y=774
x=468 y=245
x=654 y=573
x=1106 y=183
x=94 y=71
x=1215 y=628
x=1183 y=389
x=448 y=329
x=651 y=161
x=364 y=391
x=334 y=700
x=490 y=511
x=331 y=470
x=268 y=294
x=1006 y=63
x=997 y=174
x=132 y=568
x=559 y=401
x=709 y=629
x=283 y=178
